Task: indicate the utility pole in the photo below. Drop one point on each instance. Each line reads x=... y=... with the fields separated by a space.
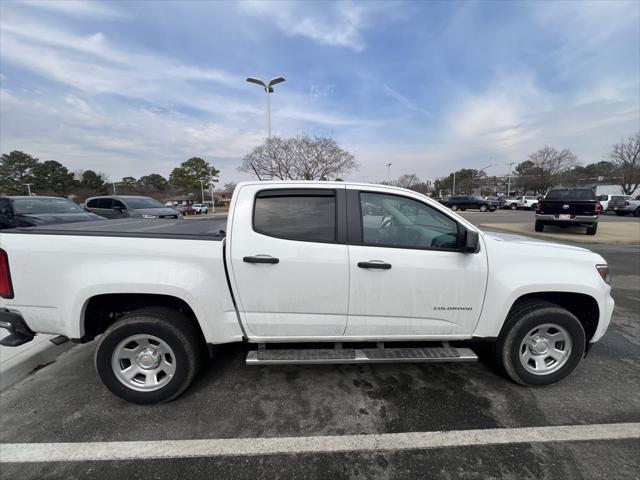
x=453 y=192
x=202 y=189
x=389 y=173
x=28 y=185
x=213 y=179
x=115 y=192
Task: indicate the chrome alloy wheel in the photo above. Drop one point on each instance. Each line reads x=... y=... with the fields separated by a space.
x=143 y=362
x=545 y=349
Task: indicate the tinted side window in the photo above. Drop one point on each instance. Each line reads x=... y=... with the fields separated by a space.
x=4 y=204
x=104 y=203
x=93 y=203
x=394 y=221
x=308 y=217
x=117 y=203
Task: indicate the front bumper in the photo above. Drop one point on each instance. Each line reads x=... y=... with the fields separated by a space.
x=19 y=331
x=580 y=219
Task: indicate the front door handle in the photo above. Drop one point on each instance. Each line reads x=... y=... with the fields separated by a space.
x=375 y=264
x=261 y=259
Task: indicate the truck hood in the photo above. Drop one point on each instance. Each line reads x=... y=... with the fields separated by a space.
x=531 y=242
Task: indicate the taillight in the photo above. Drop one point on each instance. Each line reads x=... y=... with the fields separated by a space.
x=536 y=207
x=6 y=290
x=598 y=208
x=603 y=270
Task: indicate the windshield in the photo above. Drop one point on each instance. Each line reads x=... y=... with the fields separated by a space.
x=45 y=205
x=143 y=202
x=573 y=194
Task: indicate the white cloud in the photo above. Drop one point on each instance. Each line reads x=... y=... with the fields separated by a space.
x=338 y=24
x=75 y=8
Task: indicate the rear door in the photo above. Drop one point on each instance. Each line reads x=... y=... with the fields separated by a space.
x=102 y=207
x=289 y=261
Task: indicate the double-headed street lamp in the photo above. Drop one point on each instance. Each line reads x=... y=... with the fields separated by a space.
x=268 y=89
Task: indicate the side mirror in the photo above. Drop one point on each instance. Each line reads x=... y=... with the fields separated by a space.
x=471 y=242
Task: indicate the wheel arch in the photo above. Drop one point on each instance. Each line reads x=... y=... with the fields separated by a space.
x=101 y=311
x=583 y=306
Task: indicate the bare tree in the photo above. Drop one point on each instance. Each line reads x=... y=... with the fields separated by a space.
x=299 y=158
x=543 y=166
x=408 y=180
x=626 y=157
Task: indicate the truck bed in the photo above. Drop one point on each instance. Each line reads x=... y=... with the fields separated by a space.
x=196 y=229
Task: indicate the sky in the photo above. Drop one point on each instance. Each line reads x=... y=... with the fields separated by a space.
x=132 y=88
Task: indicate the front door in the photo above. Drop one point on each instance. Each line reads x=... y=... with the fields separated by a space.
x=290 y=262
x=407 y=274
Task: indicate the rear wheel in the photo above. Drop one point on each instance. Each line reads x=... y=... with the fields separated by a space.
x=151 y=355
x=636 y=212
x=539 y=226
x=592 y=229
x=514 y=206
x=542 y=343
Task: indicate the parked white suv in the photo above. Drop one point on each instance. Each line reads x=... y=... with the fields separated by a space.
x=527 y=202
x=200 y=207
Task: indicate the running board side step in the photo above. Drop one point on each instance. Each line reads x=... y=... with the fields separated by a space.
x=264 y=356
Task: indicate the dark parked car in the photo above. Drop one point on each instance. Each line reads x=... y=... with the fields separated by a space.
x=130 y=206
x=33 y=211
x=569 y=206
x=464 y=202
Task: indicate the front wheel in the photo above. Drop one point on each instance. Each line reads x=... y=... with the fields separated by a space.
x=541 y=344
x=636 y=212
x=454 y=207
x=513 y=206
x=151 y=355
x=621 y=214
x=483 y=208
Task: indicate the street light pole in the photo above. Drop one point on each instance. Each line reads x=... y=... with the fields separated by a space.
x=28 y=185
x=389 y=173
x=453 y=192
x=509 y=179
x=268 y=88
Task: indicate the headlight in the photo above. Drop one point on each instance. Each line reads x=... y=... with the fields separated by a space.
x=149 y=216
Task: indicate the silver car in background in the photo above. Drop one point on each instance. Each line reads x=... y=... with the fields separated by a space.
x=130 y=206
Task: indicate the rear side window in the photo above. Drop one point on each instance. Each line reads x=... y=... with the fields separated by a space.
x=308 y=216
x=92 y=203
x=571 y=194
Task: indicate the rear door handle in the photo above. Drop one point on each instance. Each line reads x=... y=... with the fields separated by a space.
x=261 y=259
x=375 y=264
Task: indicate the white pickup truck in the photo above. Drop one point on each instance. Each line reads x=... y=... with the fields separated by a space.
x=360 y=269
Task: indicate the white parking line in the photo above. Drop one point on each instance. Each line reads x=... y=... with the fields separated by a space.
x=73 y=452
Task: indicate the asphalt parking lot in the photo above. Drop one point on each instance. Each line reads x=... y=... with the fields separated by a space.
x=65 y=402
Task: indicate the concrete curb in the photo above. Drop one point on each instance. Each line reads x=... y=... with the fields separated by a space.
x=623 y=235
x=16 y=363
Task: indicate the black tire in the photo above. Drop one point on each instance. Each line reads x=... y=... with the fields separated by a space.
x=463 y=209
x=172 y=327
x=514 y=206
x=621 y=214
x=636 y=212
x=483 y=208
x=592 y=229
x=454 y=207
x=522 y=320
x=539 y=226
